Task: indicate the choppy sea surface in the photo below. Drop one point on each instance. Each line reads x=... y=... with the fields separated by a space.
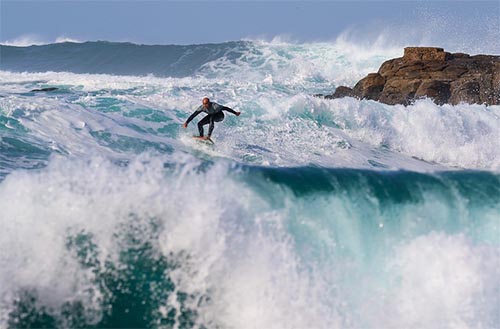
x=306 y=213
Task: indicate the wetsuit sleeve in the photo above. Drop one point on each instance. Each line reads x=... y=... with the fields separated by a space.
x=192 y=116
x=225 y=108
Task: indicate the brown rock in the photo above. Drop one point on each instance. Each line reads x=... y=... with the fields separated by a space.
x=424 y=54
x=496 y=78
x=389 y=67
x=370 y=87
x=459 y=55
x=342 y=92
x=454 y=71
x=434 y=73
x=399 y=91
x=467 y=92
x=438 y=91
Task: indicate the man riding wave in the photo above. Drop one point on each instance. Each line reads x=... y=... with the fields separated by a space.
x=214 y=114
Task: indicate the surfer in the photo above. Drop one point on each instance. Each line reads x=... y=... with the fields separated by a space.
x=215 y=114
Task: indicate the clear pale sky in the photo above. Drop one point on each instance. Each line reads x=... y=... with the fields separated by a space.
x=189 y=22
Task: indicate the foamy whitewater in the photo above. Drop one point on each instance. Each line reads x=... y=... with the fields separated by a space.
x=306 y=213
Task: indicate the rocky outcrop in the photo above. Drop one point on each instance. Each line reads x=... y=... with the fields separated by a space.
x=434 y=73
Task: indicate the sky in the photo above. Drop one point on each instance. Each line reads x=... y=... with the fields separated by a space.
x=194 y=22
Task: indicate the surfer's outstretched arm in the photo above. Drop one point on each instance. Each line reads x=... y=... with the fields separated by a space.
x=230 y=110
x=191 y=117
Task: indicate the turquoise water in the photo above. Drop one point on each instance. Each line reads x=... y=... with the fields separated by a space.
x=306 y=213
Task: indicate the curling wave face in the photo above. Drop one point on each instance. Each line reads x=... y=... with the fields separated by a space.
x=156 y=243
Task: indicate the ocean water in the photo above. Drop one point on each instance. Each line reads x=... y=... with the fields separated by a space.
x=306 y=213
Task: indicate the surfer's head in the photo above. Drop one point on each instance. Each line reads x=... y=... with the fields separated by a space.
x=206 y=102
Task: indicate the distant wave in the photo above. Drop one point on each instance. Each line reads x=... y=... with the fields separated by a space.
x=116 y=58
x=34 y=40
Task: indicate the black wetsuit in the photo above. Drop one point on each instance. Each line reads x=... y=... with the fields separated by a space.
x=215 y=114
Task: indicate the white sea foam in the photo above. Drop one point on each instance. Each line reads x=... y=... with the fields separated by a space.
x=442 y=281
x=24 y=41
x=63 y=39
x=276 y=128
x=302 y=66
x=31 y=39
x=97 y=198
x=253 y=253
x=463 y=135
